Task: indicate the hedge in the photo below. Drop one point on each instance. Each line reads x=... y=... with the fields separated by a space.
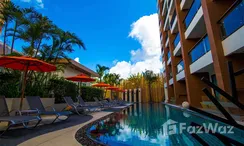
x=9 y=84
x=88 y=93
x=62 y=88
x=59 y=87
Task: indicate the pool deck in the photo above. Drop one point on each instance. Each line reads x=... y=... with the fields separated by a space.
x=57 y=134
x=62 y=137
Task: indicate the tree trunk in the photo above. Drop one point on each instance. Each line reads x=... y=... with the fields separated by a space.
x=13 y=39
x=4 y=37
x=38 y=47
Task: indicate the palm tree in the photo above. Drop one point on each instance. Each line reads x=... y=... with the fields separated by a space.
x=63 y=43
x=135 y=79
x=112 y=79
x=6 y=16
x=150 y=78
x=101 y=71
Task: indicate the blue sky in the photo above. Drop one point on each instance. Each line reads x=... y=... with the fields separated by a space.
x=104 y=26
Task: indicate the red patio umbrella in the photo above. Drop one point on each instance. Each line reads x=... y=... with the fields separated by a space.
x=112 y=88
x=24 y=64
x=101 y=84
x=81 y=78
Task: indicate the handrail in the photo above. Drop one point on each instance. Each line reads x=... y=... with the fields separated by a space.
x=177 y=36
x=226 y=95
x=219 y=106
x=183 y=66
x=189 y=12
x=224 y=139
x=217 y=118
x=227 y=12
x=198 y=42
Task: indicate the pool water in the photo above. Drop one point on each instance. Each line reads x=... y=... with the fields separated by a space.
x=144 y=125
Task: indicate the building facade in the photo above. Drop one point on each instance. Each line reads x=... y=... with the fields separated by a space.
x=198 y=39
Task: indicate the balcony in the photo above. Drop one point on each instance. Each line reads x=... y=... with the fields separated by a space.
x=177 y=44
x=171 y=81
x=180 y=71
x=174 y=24
x=169 y=58
x=164 y=66
x=162 y=51
x=232 y=28
x=185 y=4
x=201 y=57
x=194 y=21
x=166 y=23
x=167 y=42
x=164 y=8
x=161 y=37
x=171 y=7
x=165 y=85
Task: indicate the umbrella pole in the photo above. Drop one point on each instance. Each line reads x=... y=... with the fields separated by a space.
x=23 y=89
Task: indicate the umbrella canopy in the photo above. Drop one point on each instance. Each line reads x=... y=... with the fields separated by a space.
x=101 y=84
x=24 y=63
x=112 y=88
x=81 y=78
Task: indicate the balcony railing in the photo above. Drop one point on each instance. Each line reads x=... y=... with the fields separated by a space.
x=180 y=66
x=168 y=55
x=166 y=37
x=202 y=47
x=233 y=19
x=173 y=19
x=177 y=39
x=192 y=12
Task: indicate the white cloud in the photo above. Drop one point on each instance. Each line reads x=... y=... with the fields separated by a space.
x=146 y=31
x=115 y=61
x=77 y=59
x=39 y=3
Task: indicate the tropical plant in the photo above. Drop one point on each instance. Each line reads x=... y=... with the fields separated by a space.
x=135 y=80
x=6 y=16
x=101 y=70
x=43 y=39
x=112 y=79
x=150 y=78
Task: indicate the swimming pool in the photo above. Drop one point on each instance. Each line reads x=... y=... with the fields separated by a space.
x=159 y=124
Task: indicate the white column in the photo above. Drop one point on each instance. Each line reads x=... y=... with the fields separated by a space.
x=139 y=92
x=135 y=95
x=166 y=98
x=126 y=95
x=130 y=95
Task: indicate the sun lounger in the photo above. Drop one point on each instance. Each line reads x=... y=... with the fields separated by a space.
x=36 y=104
x=82 y=103
x=79 y=109
x=102 y=103
x=15 y=120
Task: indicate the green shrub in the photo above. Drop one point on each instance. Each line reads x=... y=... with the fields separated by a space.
x=61 y=88
x=88 y=93
x=9 y=84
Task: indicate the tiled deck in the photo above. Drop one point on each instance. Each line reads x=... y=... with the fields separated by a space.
x=58 y=134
